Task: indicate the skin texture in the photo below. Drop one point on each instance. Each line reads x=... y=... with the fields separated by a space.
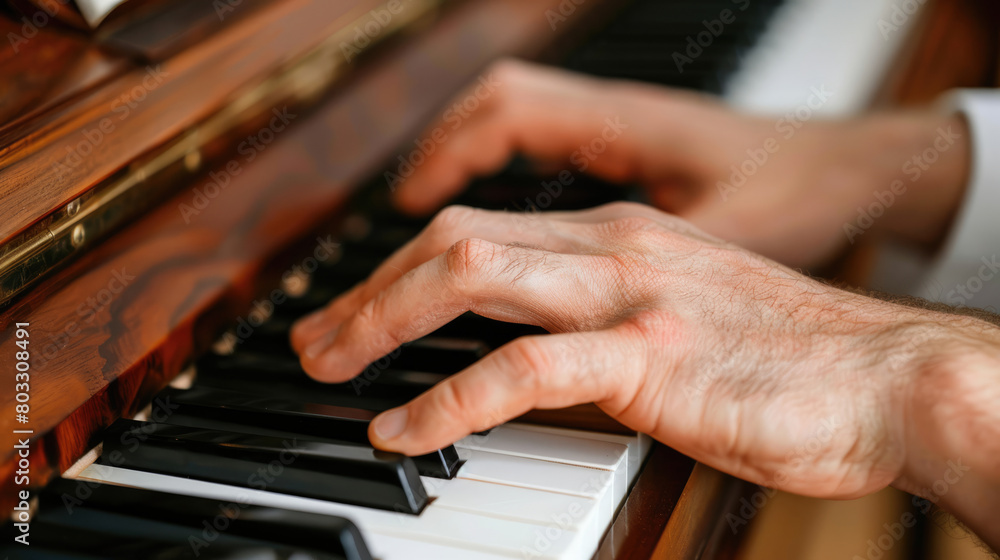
x=680 y=146
x=706 y=345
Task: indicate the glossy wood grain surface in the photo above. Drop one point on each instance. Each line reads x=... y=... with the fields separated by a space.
x=955 y=45
x=164 y=288
x=49 y=160
x=649 y=507
x=42 y=67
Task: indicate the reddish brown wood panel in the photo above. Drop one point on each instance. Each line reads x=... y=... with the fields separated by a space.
x=44 y=66
x=52 y=159
x=186 y=281
x=956 y=45
x=654 y=499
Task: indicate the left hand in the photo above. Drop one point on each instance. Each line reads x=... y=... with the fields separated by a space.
x=722 y=354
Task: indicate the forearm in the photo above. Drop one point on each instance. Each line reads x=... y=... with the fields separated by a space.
x=950 y=420
x=923 y=159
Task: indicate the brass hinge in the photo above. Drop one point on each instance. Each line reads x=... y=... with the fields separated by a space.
x=70 y=230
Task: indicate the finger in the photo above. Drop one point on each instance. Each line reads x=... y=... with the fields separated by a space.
x=541 y=112
x=548 y=371
x=559 y=292
x=449 y=226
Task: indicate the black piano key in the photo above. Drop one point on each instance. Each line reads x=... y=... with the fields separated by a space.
x=432 y=354
x=330 y=281
x=379 y=379
x=372 y=390
x=491 y=332
x=38 y=553
x=315 y=298
x=642 y=41
x=517 y=190
x=301 y=530
x=348 y=474
x=278 y=416
x=308 y=390
x=270 y=337
x=355 y=266
x=122 y=537
x=385 y=238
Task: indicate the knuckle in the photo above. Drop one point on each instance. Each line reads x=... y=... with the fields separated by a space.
x=371 y=316
x=509 y=71
x=450 y=401
x=508 y=67
x=470 y=258
x=624 y=208
x=633 y=227
x=633 y=231
x=528 y=358
x=450 y=219
x=634 y=280
x=658 y=329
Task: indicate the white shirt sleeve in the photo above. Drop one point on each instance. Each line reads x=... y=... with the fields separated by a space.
x=967 y=270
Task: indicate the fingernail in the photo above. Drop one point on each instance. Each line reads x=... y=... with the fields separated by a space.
x=320 y=345
x=390 y=424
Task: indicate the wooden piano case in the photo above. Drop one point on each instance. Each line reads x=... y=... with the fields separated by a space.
x=128 y=300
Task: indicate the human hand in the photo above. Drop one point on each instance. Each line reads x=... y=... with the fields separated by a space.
x=785 y=188
x=726 y=356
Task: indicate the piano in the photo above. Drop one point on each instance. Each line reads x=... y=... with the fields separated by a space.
x=177 y=187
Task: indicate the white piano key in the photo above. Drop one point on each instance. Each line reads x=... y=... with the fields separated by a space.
x=388 y=547
x=805 y=46
x=512 y=502
x=544 y=475
x=442 y=526
x=638 y=444
x=512 y=440
x=509 y=440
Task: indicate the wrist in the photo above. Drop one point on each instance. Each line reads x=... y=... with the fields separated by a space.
x=949 y=421
x=923 y=159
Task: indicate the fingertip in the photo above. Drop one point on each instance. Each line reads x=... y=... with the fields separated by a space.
x=302 y=329
x=320 y=345
x=410 y=200
x=387 y=429
x=326 y=362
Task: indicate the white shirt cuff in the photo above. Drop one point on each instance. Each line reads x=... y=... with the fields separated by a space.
x=967 y=269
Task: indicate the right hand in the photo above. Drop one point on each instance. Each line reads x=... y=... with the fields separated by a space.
x=738 y=362
x=686 y=150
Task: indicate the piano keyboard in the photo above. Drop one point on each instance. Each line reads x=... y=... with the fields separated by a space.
x=518 y=490
x=252 y=459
